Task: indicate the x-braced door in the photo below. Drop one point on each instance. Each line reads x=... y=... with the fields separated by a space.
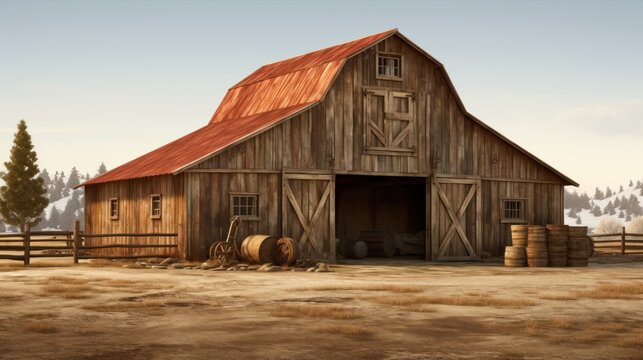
x=456 y=219
x=308 y=214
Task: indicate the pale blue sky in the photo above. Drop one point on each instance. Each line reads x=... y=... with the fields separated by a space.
x=109 y=81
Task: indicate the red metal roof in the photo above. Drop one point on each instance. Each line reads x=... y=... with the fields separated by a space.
x=269 y=95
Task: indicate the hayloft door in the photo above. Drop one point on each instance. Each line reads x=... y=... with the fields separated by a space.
x=308 y=214
x=456 y=219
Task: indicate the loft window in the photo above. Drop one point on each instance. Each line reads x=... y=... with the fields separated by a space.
x=155 y=206
x=389 y=66
x=244 y=205
x=513 y=210
x=113 y=208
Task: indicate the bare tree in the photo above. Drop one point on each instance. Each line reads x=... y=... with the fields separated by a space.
x=608 y=226
x=636 y=225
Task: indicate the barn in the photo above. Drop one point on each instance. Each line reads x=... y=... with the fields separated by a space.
x=366 y=135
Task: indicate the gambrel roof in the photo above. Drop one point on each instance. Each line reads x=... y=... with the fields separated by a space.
x=271 y=94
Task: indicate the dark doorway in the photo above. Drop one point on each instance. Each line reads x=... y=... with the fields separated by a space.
x=389 y=206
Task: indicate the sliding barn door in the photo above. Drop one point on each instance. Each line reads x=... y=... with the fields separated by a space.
x=456 y=219
x=308 y=214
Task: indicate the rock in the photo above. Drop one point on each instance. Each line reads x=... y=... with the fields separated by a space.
x=322 y=267
x=141 y=264
x=311 y=269
x=253 y=267
x=264 y=267
x=159 y=267
x=220 y=268
x=168 y=261
x=211 y=264
x=243 y=265
x=177 y=266
x=232 y=268
x=273 y=269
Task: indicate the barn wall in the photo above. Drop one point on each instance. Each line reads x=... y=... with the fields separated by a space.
x=208 y=207
x=134 y=212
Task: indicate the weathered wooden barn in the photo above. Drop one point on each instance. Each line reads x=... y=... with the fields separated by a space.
x=365 y=135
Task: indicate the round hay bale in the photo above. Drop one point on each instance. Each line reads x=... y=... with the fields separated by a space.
x=259 y=249
x=360 y=249
x=287 y=251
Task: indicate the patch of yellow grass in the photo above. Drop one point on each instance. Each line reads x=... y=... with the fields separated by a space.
x=41 y=327
x=456 y=300
x=314 y=311
x=350 y=330
x=67 y=291
x=66 y=280
x=10 y=297
x=558 y=297
x=40 y=316
x=150 y=307
x=376 y=287
x=419 y=308
x=614 y=291
x=634 y=340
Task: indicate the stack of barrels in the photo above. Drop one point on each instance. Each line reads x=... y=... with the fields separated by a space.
x=557 y=245
x=537 y=246
x=551 y=245
x=577 y=249
x=516 y=254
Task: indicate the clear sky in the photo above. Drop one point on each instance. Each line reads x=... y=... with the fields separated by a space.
x=111 y=80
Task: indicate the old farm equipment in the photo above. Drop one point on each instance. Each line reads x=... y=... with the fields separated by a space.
x=226 y=251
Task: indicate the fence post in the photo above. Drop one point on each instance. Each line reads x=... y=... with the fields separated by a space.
x=26 y=236
x=623 y=241
x=76 y=236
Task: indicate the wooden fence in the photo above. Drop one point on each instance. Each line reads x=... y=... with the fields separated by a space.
x=74 y=245
x=622 y=243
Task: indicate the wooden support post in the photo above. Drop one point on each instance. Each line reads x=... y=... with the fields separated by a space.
x=27 y=243
x=623 y=241
x=76 y=237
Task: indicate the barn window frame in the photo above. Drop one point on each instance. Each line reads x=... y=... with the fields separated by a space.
x=247 y=206
x=383 y=69
x=114 y=209
x=513 y=210
x=156 y=206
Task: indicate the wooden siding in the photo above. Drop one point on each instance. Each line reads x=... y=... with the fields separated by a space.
x=134 y=212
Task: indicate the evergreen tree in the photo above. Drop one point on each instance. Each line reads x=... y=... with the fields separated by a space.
x=64 y=189
x=617 y=202
x=23 y=197
x=578 y=221
x=635 y=206
x=608 y=192
x=621 y=214
x=57 y=189
x=624 y=203
x=628 y=217
x=598 y=194
x=572 y=213
x=71 y=212
x=631 y=183
x=87 y=176
x=620 y=188
x=54 y=218
x=73 y=180
x=597 y=211
x=2 y=227
x=584 y=202
x=45 y=177
x=101 y=169
x=641 y=192
x=638 y=184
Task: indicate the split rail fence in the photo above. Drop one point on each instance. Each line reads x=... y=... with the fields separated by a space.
x=622 y=243
x=48 y=244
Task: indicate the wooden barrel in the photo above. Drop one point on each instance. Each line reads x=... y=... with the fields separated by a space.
x=287 y=251
x=537 y=246
x=380 y=244
x=515 y=256
x=519 y=235
x=577 y=249
x=557 y=238
x=360 y=250
x=259 y=249
x=410 y=244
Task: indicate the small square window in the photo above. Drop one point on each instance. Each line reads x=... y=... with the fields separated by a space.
x=513 y=210
x=389 y=66
x=244 y=205
x=113 y=208
x=155 y=206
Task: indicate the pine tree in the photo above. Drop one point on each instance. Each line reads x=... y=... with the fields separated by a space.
x=624 y=203
x=71 y=212
x=87 y=176
x=572 y=213
x=57 y=190
x=578 y=220
x=597 y=211
x=638 y=184
x=54 y=218
x=617 y=202
x=45 y=177
x=621 y=214
x=584 y=202
x=64 y=189
x=631 y=183
x=620 y=188
x=598 y=194
x=628 y=217
x=101 y=169
x=73 y=180
x=641 y=192
x=608 y=192
x=23 y=197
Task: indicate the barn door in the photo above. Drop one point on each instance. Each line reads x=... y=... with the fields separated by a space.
x=455 y=219
x=308 y=214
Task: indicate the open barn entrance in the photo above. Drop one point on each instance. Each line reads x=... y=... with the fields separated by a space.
x=387 y=213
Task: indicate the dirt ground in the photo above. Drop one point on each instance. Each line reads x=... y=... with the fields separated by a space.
x=385 y=310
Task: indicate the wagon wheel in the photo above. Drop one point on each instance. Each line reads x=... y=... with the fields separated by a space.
x=223 y=251
x=287 y=251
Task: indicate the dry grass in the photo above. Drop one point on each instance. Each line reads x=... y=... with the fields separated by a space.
x=633 y=340
x=39 y=316
x=419 y=308
x=41 y=327
x=10 y=297
x=614 y=291
x=67 y=288
x=558 y=297
x=149 y=307
x=350 y=330
x=377 y=287
x=314 y=311
x=456 y=300
x=65 y=280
